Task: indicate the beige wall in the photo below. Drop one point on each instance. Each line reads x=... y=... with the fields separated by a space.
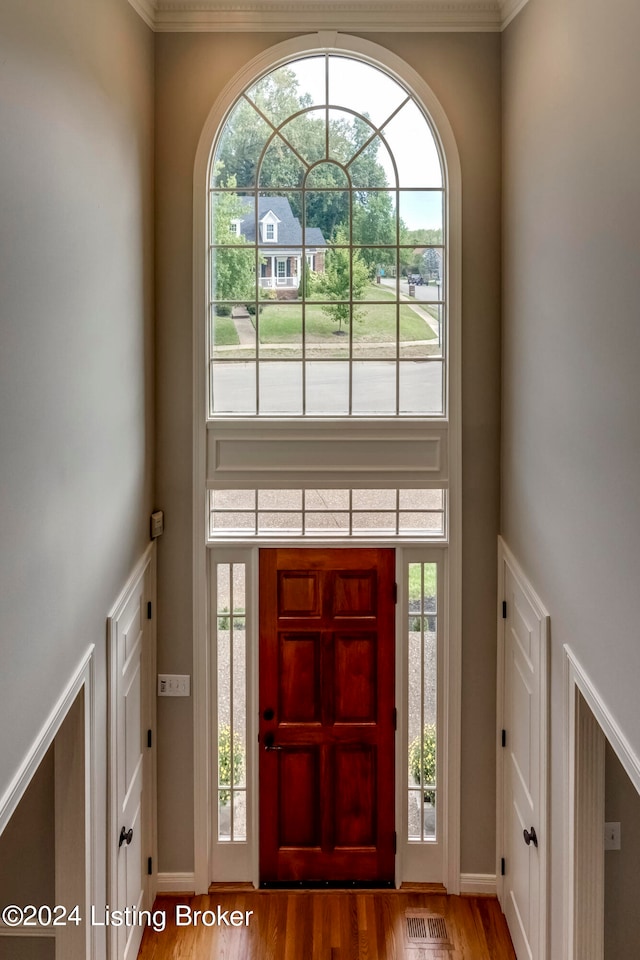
x=76 y=351
x=464 y=72
x=27 y=845
x=571 y=348
x=622 y=867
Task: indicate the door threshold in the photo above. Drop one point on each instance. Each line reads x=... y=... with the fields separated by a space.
x=327 y=885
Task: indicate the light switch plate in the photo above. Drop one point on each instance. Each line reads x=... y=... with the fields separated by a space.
x=174 y=685
x=612 y=836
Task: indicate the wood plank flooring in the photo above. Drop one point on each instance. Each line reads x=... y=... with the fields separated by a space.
x=328 y=925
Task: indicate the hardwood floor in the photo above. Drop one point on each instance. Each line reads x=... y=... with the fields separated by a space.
x=326 y=925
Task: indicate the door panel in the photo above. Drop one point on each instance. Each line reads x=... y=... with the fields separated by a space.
x=327 y=660
x=524 y=681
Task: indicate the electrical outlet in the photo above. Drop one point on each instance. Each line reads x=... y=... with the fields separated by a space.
x=174 y=685
x=612 y=836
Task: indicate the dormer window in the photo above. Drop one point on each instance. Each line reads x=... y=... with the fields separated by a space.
x=269 y=227
x=235 y=227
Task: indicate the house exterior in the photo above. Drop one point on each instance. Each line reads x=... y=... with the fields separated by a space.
x=281 y=243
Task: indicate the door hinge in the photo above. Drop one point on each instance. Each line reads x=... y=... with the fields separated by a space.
x=149 y=738
x=149 y=610
x=395 y=842
x=395 y=593
x=149 y=866
x=395 y=718
x=504 y=609
x=503 y=868
x=504 y=738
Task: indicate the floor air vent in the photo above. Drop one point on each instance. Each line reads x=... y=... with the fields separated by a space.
x=426 y=928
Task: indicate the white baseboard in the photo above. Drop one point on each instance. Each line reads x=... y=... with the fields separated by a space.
x=176 y=883
x=480 y=884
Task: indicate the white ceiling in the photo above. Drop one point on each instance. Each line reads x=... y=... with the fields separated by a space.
x=282 y=15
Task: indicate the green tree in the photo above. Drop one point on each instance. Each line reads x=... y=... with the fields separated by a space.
x=344 y=277
x=278 y=97
x=374 y=223
x=234 y=269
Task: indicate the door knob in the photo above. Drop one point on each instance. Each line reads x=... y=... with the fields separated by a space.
x=126 y=836
x=530 y=837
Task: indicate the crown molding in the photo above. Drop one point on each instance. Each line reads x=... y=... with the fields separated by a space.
x=147 y=10
x=510 y=10
x=206 y=16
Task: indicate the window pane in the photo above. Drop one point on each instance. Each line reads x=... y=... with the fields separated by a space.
x=327 y=176
x=240 y=815
x=288 y=88
x=373 y=166
x=374 y=217
x=232 y=524
x=306 y=134
x=370 y=91
x=411 y=142
x=374 y=387
x=374 y=499
x=346 y=135
x=374 y=523
x=326 y=499
x=375 y=331
x=327 y=216
x=233 y=274
x=327 y=388
x=243 y=138
x=280 y=387
x=421 y=499
x=280 y=166
x=420 y=327
x=280 y=499
x=327 y=524
x=230 y=338
x=280 y=327
x=280 y=523
x=421 y=388
x=421 y=214
x=414 y=522
x=234 y=387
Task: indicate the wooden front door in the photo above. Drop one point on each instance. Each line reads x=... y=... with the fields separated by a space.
x=327 y=718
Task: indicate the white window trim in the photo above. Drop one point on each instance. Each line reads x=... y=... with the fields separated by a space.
x=323 y=42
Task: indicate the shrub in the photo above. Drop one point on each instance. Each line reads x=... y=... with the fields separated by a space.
x=251 y=309
x=223 y=310
x=224 y=760
x=428 y=759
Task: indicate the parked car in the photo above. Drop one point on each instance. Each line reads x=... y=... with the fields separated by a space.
x=416 y=279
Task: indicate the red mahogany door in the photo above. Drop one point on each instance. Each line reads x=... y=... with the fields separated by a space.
x=327 y=718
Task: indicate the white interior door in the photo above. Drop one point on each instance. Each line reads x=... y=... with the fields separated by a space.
x=524 y=758
x=130 y=838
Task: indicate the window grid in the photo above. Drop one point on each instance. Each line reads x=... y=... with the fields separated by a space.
x=422 y=619
x=409 y=375
x=230 y=620
x=394 y=516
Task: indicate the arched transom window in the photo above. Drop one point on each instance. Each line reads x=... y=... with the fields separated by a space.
x=327 y=249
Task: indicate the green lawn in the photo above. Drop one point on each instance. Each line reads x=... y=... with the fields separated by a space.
x=376 y=322
x=224 y=332
x=429 y=580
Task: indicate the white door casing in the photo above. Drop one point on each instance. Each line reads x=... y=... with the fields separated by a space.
x=522 y=759
x=131 y=766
